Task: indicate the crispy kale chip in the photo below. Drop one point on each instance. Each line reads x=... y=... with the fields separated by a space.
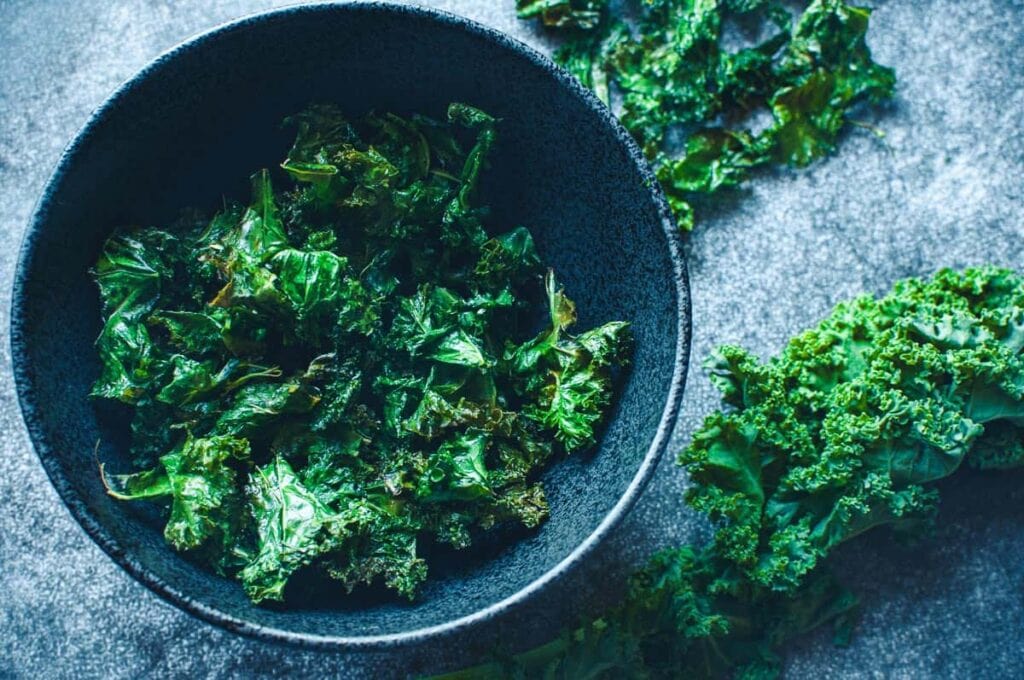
x=579 y=14
x=846 y=430
x=570 y=376
x=709 y=68
x=341 y=372
x=293 y=528
x=200 y=478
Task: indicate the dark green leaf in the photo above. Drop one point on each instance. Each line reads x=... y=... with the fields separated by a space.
x=292 y=528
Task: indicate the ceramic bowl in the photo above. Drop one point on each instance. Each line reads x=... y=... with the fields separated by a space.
x=190 y=127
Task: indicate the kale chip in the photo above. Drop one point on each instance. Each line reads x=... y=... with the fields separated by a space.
x=342 y=373
x=712 y=89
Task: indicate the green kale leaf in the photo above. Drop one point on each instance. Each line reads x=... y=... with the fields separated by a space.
x=292 y=527
x=571 y=376
x=201 y=480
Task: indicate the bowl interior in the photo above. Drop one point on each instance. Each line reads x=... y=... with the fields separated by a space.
x=190 y=130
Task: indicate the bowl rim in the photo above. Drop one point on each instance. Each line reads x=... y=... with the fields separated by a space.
x=37 y=432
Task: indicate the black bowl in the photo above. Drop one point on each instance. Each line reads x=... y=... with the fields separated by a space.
x=195 y=123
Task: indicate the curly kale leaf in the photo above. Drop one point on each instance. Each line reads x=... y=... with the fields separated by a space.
x=293 y=527
x=193 y=332
x=845 y=428
x=255 y=407
x=508 y=259
x=240 y=251
x=462 y=221
x=456 y=471
x=322 y=296
x=377 y=540
x=338 y=379
x=131 y=272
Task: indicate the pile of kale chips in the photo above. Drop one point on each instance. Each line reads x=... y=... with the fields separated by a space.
x=737 y=84
x=332 y=375
x=850 y=427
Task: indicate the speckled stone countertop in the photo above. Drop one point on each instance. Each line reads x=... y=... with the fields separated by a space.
x=944 y=188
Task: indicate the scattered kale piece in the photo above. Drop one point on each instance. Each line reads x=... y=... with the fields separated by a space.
x=343 y=372
x=580 y=14
x=845 y=431
x=695 y=102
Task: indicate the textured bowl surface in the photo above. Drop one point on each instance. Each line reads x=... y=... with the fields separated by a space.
x=191 y=127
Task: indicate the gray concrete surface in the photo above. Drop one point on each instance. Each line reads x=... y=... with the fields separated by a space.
x=944 y=188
